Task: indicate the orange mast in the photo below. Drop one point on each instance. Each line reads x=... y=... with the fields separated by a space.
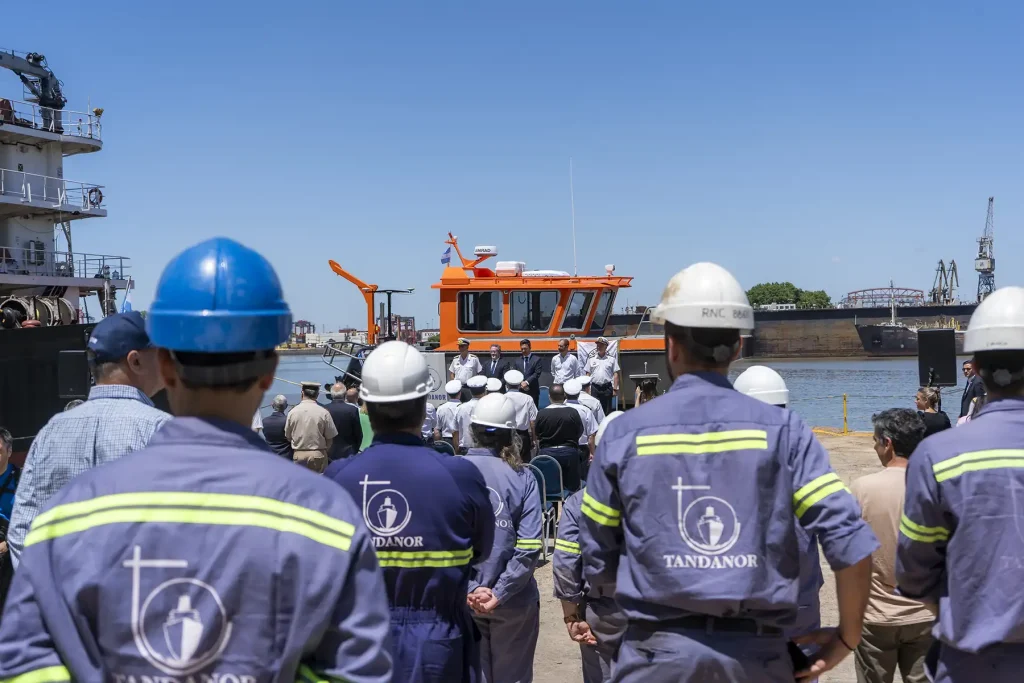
x=368 y=292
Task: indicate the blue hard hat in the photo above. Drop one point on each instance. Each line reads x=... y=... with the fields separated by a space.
x=219 y=296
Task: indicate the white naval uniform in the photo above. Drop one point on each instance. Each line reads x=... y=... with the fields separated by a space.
x=526 y=409
x=463 y=421
x=464 y=369
x=446 y=413
x=429 y=422
x=594 y=405
x=601 y=370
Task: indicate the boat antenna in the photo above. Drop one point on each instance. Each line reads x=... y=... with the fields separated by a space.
x=572 y=204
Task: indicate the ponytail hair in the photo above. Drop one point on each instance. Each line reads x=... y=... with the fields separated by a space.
x=505 y=442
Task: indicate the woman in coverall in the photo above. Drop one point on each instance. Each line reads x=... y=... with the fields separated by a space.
x=502 y=590
x=592 y=620
x=204 y=556
x=430 y=517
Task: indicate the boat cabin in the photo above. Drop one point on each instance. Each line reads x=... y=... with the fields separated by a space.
x=509 y=303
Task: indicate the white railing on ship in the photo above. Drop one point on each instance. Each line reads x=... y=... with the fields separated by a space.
x=32 y=187
x=75 y=123
x=36 y=260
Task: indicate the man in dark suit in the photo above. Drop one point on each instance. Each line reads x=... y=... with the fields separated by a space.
x=273 y=428
x=346 y=419
x=530 y=366
x=974 y=389
x=496 y=366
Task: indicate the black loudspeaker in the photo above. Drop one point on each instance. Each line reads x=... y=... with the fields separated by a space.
x=73 y=379
x=936 y=358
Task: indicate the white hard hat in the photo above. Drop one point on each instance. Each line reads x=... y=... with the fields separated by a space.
x=513 y=378
x=764 y=384
x=393 y=372
x=476 y=382
x=453 y=387
x=997 y=324
x=493 y=384
x=572 y=387
x=604 y=425
x=495 y=410
x=704 y=295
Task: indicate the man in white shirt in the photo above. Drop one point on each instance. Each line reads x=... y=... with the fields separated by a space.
x=604 y=375
x=445 y=423
x=463 y=432
x=526 y=413
x=573 y=388
x=464 y=366
x=564 y=366
x=589 y=401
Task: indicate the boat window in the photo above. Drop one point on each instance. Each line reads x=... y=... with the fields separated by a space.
x=480 y=311
x=533 y=311
x=577 y=311
x=604 y=307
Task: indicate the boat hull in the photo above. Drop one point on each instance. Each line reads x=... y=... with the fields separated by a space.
x=886 y=340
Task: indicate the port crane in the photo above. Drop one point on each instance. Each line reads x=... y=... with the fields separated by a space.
x=947 y=280
x=985 y=262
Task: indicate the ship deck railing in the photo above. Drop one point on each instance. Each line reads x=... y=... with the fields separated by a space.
x=32 y=187
x=59 y=121
x=39 y=262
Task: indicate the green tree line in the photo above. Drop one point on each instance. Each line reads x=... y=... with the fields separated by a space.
x=767 y=293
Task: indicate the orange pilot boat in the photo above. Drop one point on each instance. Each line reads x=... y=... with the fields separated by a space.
x=508 y=303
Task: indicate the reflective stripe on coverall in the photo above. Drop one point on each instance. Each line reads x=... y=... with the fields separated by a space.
x=430 y=518
x=961 y=544
x=509 y=633
x=690 y=511
x=203 y=556
x=605 y=620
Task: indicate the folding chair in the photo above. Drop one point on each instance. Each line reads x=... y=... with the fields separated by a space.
x=548 y=511
x=552 y=471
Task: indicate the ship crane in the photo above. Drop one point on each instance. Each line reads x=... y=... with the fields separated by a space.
x=33 y=71
x=985 y=263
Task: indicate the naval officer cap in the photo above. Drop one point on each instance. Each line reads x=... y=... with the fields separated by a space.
x=493 y=384
x=476 y=382
x=310 y=385
x=602 y=340
x=463 y=341
x=572 y=387
x=513 y=378
x=453 y=387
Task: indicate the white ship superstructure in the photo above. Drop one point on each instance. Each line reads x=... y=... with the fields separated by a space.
x=42 y=277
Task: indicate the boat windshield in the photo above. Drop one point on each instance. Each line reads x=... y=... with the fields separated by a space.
x=577 y=311
x=604 y=307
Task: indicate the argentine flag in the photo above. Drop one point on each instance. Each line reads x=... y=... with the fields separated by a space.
x=126 y=305
x=446 y=257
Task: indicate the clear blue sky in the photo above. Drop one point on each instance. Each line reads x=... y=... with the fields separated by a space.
x=835 y=145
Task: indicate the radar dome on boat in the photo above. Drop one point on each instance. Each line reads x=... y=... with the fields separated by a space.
x=485 y=251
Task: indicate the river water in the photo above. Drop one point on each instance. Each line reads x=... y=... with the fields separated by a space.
x=816 y=387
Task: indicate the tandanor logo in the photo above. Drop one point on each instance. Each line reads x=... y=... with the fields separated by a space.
x=387 y=513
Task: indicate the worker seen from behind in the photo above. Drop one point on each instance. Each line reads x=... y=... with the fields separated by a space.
x=691 y=506
x=960 y=541
x=445 y=424
x=526 y=414
x=311 y=430
x=463 y=434
x=604 y=373
x=204 y=556
x=430 y=517
x=119 y=418
x=587 y=398
x=273 y=428
x=765 y=384
x=592 y=619
x=502 y=591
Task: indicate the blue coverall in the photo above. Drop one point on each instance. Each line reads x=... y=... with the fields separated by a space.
x=431 y=519
x=509 y=633
x=961 y=544
x=690 y=512
x=203 y=556
x=606 y=622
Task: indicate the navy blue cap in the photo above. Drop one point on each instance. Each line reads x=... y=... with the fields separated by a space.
x=118 y=335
